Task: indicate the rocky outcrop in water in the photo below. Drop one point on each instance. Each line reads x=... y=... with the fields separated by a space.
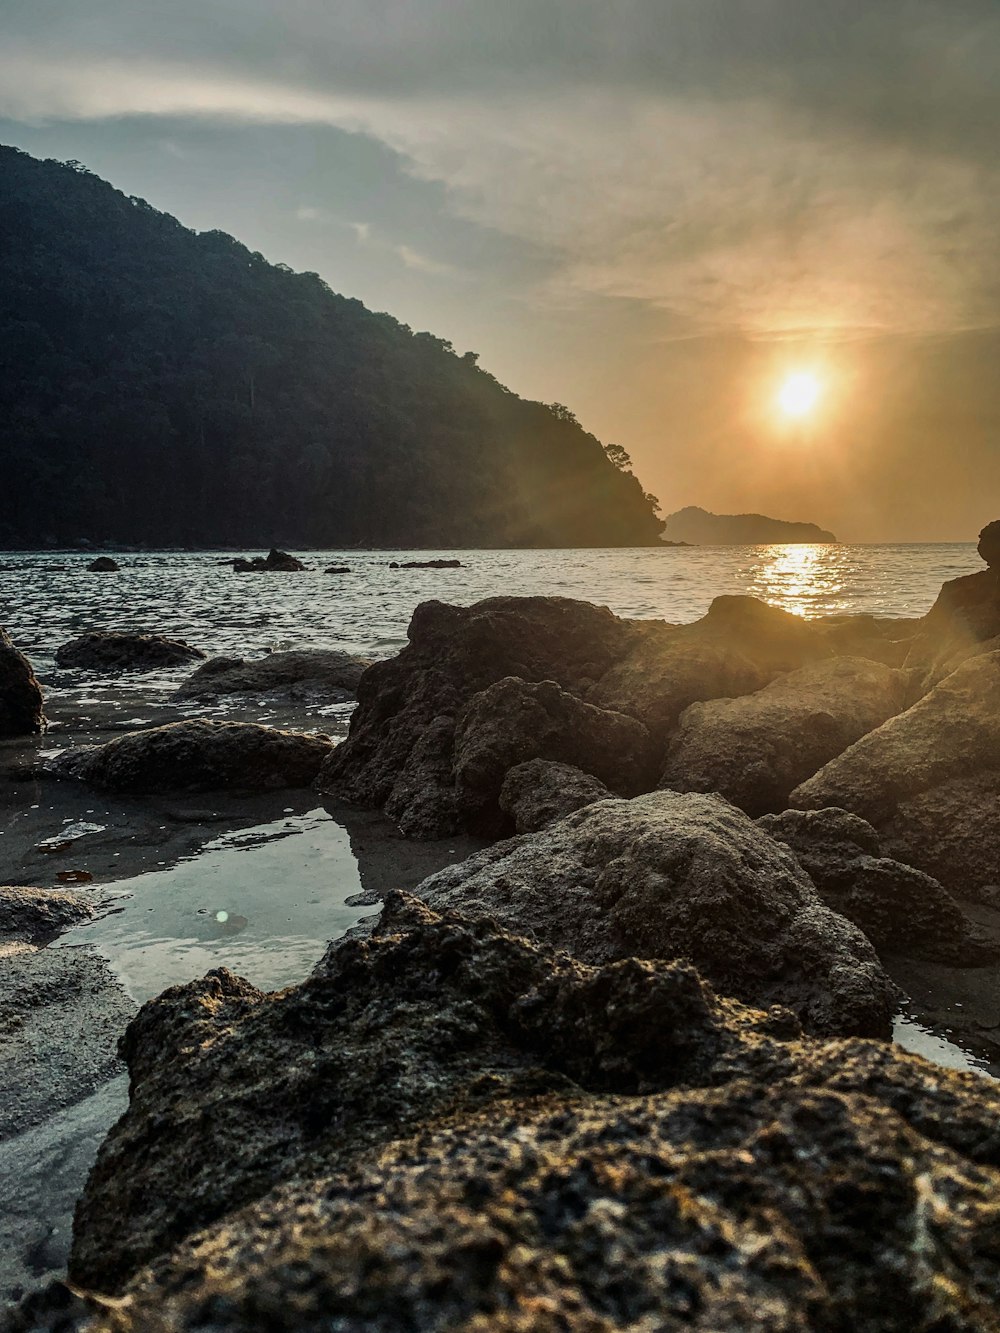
x=539 y=792
x=669 y=875
x=197 y=756
x=755 y=749
x=20 y=693
x=103 y=565
x=275 y=561
x=425 y=564
x=303 y=671
x=104 y=650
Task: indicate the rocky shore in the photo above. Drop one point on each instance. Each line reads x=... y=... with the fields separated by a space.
x=613 y=1049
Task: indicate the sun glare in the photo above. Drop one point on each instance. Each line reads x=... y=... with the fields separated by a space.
x=799 y=394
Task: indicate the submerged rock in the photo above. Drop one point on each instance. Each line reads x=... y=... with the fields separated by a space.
x=20 y=693
x=306 y=669
x=539 y=792
x=929 y=780
x=103 y=565
x=669 y=875
x=755 y=749
x=274 y=562
x=197 y=756
x=104 y=650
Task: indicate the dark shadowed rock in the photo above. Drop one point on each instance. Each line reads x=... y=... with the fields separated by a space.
x=274 y=562
x=755 y=749
x=337 y=569
x=20 y=693
x=307 y=670
x=965 y=619
x=113 y=651
x=197 y=756
x=669 y=875
x=899 y=908
x=39 y=915
x=425 y=564
x=539 y=792
x=989 y=544
x=881 y=640
x=103 y=565
x=514 y=720
x=929 y=780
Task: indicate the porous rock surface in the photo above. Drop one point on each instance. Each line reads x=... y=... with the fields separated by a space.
x=305 y=670
x=670 y=875
x=104 y=650
x=756 y=748
x=20 y=693
x=448 y=1128
x=929 y=780
x=900 y=909
x=197 y=756
x=541 y=791
x=39 y=915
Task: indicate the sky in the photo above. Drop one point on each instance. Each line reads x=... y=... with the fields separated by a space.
x=652 y=211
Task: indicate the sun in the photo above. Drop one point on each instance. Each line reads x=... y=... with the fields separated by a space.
x=799 y=394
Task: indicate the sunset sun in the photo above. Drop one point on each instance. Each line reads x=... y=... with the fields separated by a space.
x=799 y=394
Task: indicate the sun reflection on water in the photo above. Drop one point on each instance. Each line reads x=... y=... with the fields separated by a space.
x=806 y=580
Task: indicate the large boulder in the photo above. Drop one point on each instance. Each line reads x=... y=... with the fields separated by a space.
x=989 y=544
x=304 y=670
x=672 y=875
x=103 y=565
x=197 y=756
x=104 y=650
x=965 y=618
x=399 y=752
x=449 y=1128
x=900 y=909
x=274 y=562
x=756 y=748
x=929 y=780
x=540 y=791
x=20 y=693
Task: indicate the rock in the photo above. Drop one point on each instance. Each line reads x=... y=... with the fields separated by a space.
x=900 y=909
x=337 y=569
x=310 y=670
x=103 y=565
x=929 y=780
x=398 y=753
x=448 y=1128
x=275 y=561
x=39 y=915
x=112 y=651
x=989 y=544
x=197 y=756
x=738 y=647
x=425 y=564
x=756 y=748
x=965 y=619
x=669 y=875
x=539 y=792
x=882 y=640
x=20 y=693
x=513 y=720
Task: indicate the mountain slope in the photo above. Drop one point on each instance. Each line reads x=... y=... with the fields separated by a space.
x=163 y=386
x=704 y=529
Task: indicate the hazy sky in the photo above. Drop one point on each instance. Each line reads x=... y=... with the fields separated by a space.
x=651 y=210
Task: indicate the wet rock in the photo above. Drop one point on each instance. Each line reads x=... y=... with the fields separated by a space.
x=308 y=670
x=197 y=756
x=672 y=875
x=900 y=909
x=539 y=792
x=449 y=1128
x=738 y=647
x=425 y=564
x=114 y=651
x=103 y=565
x=399 y=752
x=274 y=562
x=755 y=749
x=514 y=720
x=39 y=915
x=929 y=780
x=20 y=693
x=337 y=569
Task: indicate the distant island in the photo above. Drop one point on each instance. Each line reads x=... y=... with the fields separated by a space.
x=700 y=528
x=164 y=387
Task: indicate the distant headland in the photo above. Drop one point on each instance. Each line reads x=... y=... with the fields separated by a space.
x=700 y=528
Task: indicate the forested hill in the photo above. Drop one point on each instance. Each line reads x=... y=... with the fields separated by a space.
x=162 y=386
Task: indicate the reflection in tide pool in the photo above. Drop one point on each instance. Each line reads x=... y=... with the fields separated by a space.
x=263 y=902
x=922 y=1040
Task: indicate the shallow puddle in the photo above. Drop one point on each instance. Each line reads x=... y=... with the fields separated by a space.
x=911 y=1035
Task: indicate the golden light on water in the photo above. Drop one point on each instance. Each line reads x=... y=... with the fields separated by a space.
x=800 y=394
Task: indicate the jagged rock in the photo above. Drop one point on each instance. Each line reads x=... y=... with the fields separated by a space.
x=899 y=908
x=514 y=720
x=274 y=562
x=738 y=647
x=539 y=792
x=448 y=1128
x=755 y=749
x=398 y=753
x=113 y=651
x=197 y=756
x=678 y=875
x=39 y=915
x=929 y=780
x=20 y=693
x=307 y=670
x=103 y=565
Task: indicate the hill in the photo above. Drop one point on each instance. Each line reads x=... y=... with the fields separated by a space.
x=701 y=528
x=167 y=387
